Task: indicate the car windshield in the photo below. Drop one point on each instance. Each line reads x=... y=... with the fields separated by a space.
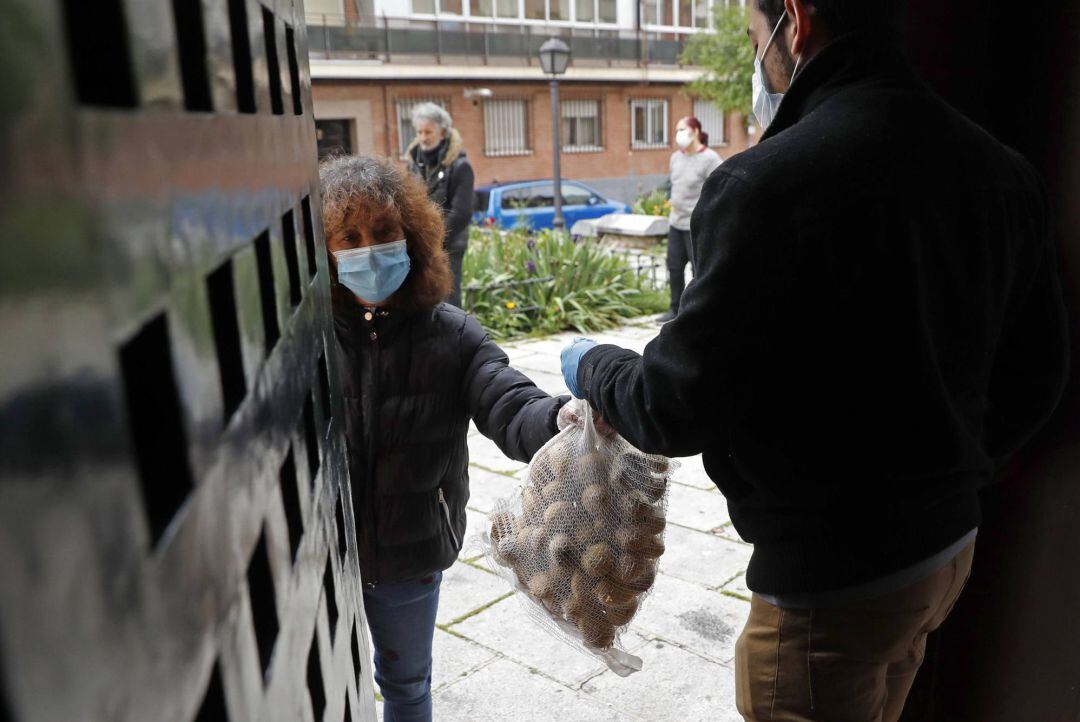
x=575 y=195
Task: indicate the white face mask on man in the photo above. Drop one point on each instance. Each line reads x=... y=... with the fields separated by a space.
x=767 y=103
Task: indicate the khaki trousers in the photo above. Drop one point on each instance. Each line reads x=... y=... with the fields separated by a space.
x=846 y=664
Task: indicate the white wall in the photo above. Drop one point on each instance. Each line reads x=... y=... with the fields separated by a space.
x=329 y=7
x=394 y=8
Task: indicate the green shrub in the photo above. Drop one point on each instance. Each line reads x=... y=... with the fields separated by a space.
x=520 y=284
x=655 y=203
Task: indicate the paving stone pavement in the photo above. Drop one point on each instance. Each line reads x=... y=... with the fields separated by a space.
x=492 y=662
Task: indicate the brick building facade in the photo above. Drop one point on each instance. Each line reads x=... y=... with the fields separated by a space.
x=372 y=60
x=374 y=115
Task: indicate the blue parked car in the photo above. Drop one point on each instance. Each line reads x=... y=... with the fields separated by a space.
x=532 y=203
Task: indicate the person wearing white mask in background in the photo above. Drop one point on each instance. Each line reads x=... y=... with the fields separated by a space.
x=690 y=165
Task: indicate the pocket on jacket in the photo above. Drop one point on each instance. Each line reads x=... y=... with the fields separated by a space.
x=445 y=513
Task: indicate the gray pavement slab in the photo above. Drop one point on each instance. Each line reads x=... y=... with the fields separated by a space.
x=466 y=588
x=503 y=690
x=738 y=586
x=539 y=362
x=551 y=383
x=454 y=657
x=485 y=453
x=702 y=558
x=691 y=472
x=507 y=628
x=701 y=620
x=696 y=508
x=486 y=488
x=676 y=684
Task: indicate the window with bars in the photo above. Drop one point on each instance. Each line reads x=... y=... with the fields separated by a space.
x=506 y=127
x=712 y=121
x=648 y=123
x=581 y=126
x=406 y=132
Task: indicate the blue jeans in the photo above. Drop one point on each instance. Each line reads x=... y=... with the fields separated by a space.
x=401 y=617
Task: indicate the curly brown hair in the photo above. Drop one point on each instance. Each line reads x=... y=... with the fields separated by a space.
x=359 y=186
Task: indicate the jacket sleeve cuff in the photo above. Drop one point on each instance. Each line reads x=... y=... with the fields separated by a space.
x=587 y=368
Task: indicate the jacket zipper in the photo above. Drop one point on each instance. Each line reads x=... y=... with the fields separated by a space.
x=449 y=524
x=371 y=407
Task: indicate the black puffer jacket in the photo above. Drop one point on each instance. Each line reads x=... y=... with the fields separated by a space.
x=411 y=382
x=450 y=186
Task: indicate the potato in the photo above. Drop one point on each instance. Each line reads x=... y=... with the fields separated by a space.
x=595 y=499
x=558 y=516
x=624 y=535
x=580 y=609
x=629 y=566
x=561 y=549
x=502 y=524
x=597 y=560
x=595 y=467
x=582 y=585
x=505 y=550
x=598 y=633
x=531 y=542
x=531 y=504
x=540 y=585
x=643 y=580
x=649 y=519
x=583 y=535
x=620 y=616
x=612 y=593
x=647 y=545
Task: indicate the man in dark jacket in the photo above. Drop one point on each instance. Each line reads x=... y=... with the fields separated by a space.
x=437 y=156
x=875 y=325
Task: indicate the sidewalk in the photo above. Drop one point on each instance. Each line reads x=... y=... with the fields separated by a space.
x=492 y=663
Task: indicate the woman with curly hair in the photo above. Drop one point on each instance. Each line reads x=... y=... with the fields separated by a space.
x=415 y=371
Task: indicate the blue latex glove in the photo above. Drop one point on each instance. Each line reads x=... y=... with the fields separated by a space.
x=571 y=357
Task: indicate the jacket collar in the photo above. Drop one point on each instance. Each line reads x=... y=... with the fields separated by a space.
x=848 y=60
x=452 y=149
x=353 y=319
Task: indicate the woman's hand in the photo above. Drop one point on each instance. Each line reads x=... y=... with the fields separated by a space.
x=573 y=414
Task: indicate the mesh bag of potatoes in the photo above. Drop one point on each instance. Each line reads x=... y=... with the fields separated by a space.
x=582 y=536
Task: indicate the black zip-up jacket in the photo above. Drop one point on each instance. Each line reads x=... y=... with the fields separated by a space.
x=411 y=382
x=875 y=324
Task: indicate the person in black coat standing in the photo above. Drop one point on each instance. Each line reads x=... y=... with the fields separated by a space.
x=875 y=326
x=414 y=372
x=438 y=157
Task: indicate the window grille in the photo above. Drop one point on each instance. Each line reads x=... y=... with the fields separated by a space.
x=712 y=121
x=648 y=123
x=406 y=132
x=506 y=127
x=581 y=126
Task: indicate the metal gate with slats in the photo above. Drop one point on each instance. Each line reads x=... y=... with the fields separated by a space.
x=176 y=528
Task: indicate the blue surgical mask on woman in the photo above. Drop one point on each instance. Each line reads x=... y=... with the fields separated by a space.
x=767 y=103
x=373 y=273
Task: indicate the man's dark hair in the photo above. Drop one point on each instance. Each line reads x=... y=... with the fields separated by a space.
x=842 y=16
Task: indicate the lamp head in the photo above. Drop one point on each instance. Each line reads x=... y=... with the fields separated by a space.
x=554 y=56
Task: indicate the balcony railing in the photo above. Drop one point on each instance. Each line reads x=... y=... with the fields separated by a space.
x=384 y=38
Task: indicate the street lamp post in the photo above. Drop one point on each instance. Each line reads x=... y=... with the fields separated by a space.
x=554 y=57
